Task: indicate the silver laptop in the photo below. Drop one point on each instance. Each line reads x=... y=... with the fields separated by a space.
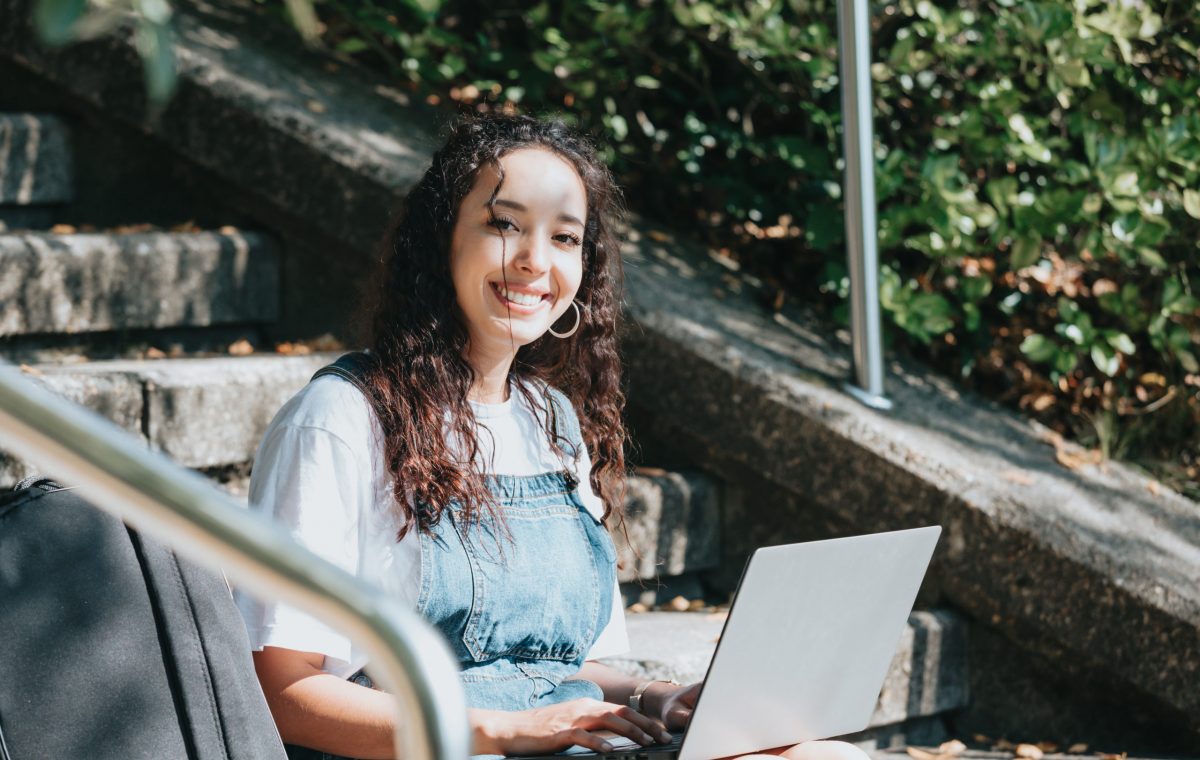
x=809 y=638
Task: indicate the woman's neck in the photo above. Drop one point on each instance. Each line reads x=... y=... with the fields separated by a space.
x=491 y=376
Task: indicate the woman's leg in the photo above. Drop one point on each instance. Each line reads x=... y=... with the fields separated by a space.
x=815 y=750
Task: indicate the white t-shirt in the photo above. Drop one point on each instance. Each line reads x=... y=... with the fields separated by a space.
x=320 y=471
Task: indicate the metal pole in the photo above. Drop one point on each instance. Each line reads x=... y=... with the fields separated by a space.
x=185 y=511
x=861 y=243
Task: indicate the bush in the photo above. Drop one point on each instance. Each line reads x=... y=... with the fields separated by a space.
x=1038 y=167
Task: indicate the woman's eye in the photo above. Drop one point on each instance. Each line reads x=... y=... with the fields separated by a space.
x=502 y=224
x=568 y=237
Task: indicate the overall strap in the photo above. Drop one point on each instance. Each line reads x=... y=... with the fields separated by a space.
x=350 y=367
x=565 y=422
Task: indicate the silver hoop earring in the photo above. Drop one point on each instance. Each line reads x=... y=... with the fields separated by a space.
x=569 y=333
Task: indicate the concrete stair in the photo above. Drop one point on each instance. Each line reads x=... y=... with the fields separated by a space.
x=36 y=169
x=75 y=283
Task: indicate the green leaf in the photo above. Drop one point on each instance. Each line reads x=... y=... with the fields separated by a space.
x=971 y=317
x=1039 y=348
x=352 y=45
x=1003 y=194
x=1026 y=251
x=1188 y=360
x=1121 y=342
x=647 y=82
x=1191 y=203
x=1172 y=290
x=1064 y=362
x=1105 y=359
x=1152 y=258
x=54 y=19
x=156 y=46
x=1178 y=338
x=975 y=288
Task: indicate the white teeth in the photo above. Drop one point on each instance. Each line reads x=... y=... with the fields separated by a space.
x=520 y=298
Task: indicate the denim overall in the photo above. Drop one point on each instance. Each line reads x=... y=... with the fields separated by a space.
x=520 y=609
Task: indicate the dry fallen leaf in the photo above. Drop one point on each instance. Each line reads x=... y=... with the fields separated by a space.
x=63 y=229
x=982 y=739
x=1073 y=460
x=952 y=747
x=127 y=229
x=1020 y=477
x=718 y=616
x=696 y=604
x=228 y=229
x=659 y=236
x=637 y=607
x=1076 y=749
x=678 y=604
x=1050 y=747
x=1043 y=402
x=326 y=342
x=1003 y=744
x=920 y=754
x=315 y=106
x=154 y=353
x=1029 y=751
x=1153 y=487
x=1110 y=756
x=292 y=349
x=31 y=370
x=241 y=347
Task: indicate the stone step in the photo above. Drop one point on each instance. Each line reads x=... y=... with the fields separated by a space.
x=202 y=412
x=927 y=677
x=672 y=521
x=75 y=283
x=35 y=163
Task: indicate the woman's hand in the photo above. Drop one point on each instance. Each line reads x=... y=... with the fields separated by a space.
x=671 y=704
x=556 y=727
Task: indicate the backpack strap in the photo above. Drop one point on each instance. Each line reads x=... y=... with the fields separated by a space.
x=351 y=367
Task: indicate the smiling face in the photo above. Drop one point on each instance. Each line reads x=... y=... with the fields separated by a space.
x=517 y=266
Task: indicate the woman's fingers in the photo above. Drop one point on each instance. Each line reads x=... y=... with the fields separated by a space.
x=678 y=717
x=585 y=738
x=632 y=724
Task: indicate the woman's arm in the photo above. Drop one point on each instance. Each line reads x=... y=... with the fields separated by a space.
x=315 y=709
x=319 y=710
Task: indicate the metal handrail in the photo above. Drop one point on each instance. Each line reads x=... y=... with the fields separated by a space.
x=858 y=142
x=184 y=510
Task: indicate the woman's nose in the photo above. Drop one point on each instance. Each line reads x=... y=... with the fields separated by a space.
x=533 y=254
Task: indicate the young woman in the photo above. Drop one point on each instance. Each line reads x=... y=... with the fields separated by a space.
x=449 y=465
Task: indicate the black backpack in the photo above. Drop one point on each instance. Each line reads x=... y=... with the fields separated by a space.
x=112 y=647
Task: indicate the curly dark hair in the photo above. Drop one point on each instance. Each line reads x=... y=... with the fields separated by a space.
x=418 y=339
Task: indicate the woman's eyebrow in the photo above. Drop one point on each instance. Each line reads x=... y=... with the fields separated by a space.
x=514 y=205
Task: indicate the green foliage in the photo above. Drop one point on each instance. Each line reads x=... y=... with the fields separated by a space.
x=1038 y=165
x=1038 y=162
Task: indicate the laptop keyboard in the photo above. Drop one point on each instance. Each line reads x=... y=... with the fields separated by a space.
x=623 y=749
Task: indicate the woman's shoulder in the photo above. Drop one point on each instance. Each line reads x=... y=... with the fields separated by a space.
x=332 y=404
